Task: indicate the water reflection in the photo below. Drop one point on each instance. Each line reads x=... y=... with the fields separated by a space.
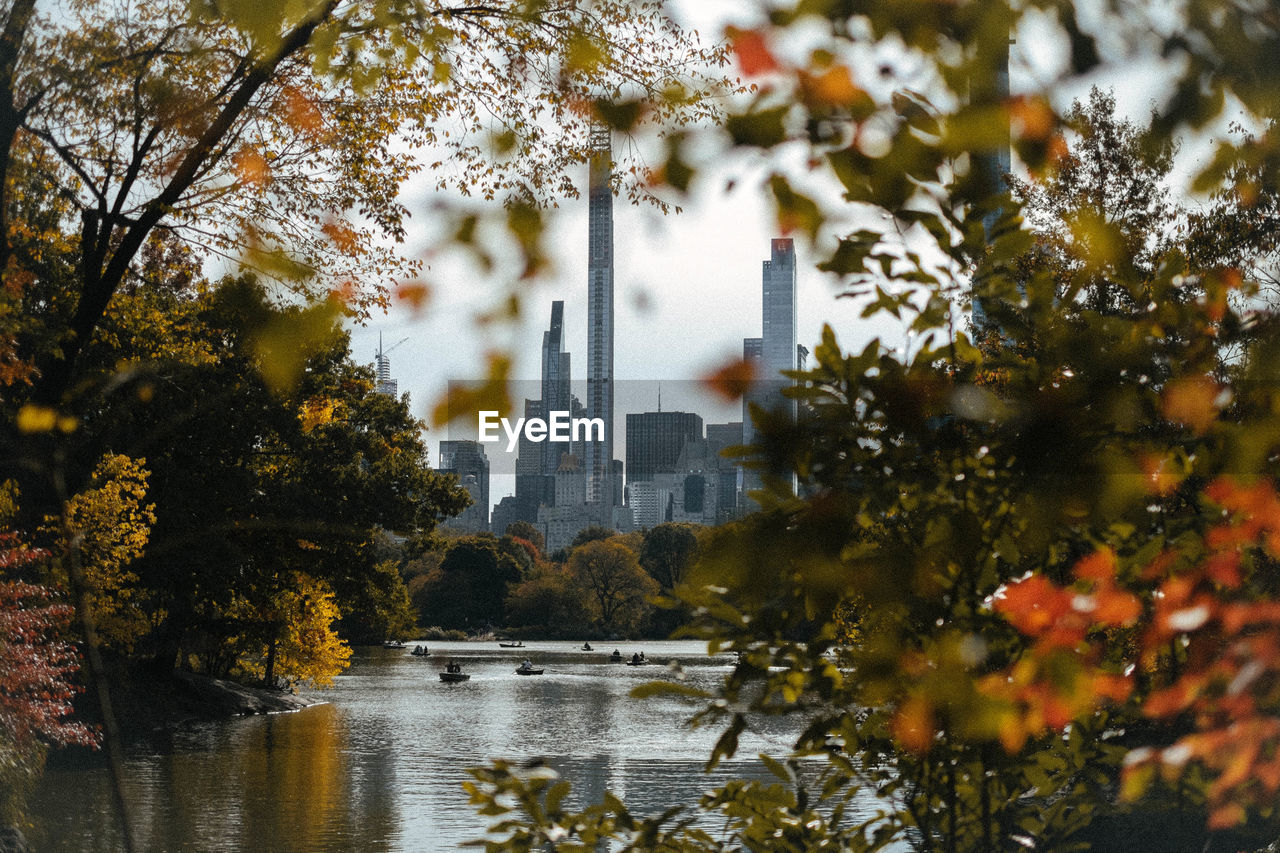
x=381 y=767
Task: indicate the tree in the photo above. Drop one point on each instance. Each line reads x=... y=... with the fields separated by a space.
x=269 y=135
x=526 y=531
x=38 y=667
x=616 y=589
x=469 y=588
x=591 y=533
x=667 y=552
x=548 y=603
x=296 y=639
x=111 y=525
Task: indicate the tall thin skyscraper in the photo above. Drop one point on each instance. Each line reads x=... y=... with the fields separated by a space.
x=776 y=349
x=555 y=385
x=599 y=454
x=779 y=321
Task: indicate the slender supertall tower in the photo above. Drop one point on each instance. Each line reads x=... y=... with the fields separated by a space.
x=600 y=317
x=555 y=384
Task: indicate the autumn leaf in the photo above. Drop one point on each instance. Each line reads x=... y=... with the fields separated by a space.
x=251 y=167
x=754 y=57
x=415 y=294
x=733 y=380
x=914 y=725
x=1191 y=402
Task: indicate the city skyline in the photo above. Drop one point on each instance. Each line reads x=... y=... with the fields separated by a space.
x=775 y=289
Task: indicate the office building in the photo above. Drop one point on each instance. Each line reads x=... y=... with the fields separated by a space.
x=467 y=461
x=655 y=439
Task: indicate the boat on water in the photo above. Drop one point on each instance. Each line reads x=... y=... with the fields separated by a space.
x=529 y=670
x=637 y=659
x=420 y=652
x=453 y=673
x=518 y=644
x=392 y=644
x=616 y=657
x=586 y=647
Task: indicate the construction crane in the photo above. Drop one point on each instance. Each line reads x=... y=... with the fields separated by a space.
x=382 y=367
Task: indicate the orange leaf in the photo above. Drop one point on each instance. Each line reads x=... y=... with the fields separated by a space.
x=733 y=380
x=754 y=57
x=834 y=86
x=416 y=294
x=1100 y=566
x=1033 y=604
x=1116 y=607
x=914 y=726
x=1032 y=118
x=1191 y=402
x=251 y=167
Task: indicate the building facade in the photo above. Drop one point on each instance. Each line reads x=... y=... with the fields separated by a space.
x=655 y=440
x=467 y=460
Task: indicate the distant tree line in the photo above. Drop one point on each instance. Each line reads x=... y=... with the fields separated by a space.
x=604 y=584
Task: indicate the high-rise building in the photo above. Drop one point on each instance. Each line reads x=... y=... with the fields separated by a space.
x=776 y=349
x=778 y=332
x=599 y=454
x=655 y=439
x=556 y=394
x=720 y=436
x=384 y=384
x=468 y=461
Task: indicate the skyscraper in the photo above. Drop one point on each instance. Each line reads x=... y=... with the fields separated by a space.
x=382 y=369
x=778 y=333
x=468 y=461
x=555 y=385
x=599 y=454
x=776 y=349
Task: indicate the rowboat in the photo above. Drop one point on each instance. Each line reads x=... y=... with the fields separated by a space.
x=530 y=671
x=519 y=644
x=453 y=677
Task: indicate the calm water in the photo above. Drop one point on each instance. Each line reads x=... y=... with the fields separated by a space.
x=380 y=767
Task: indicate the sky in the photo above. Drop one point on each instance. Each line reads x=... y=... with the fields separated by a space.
x=687 y=285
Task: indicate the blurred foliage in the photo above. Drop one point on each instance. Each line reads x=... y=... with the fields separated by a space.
x=1018 y=592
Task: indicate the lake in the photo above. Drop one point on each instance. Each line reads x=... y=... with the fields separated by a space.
x=381 y=765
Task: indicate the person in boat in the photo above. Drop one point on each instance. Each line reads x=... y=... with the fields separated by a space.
x=635 y=657
x=642 y=656
x=616 y=656
x=586 y=647
x=526 y=664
